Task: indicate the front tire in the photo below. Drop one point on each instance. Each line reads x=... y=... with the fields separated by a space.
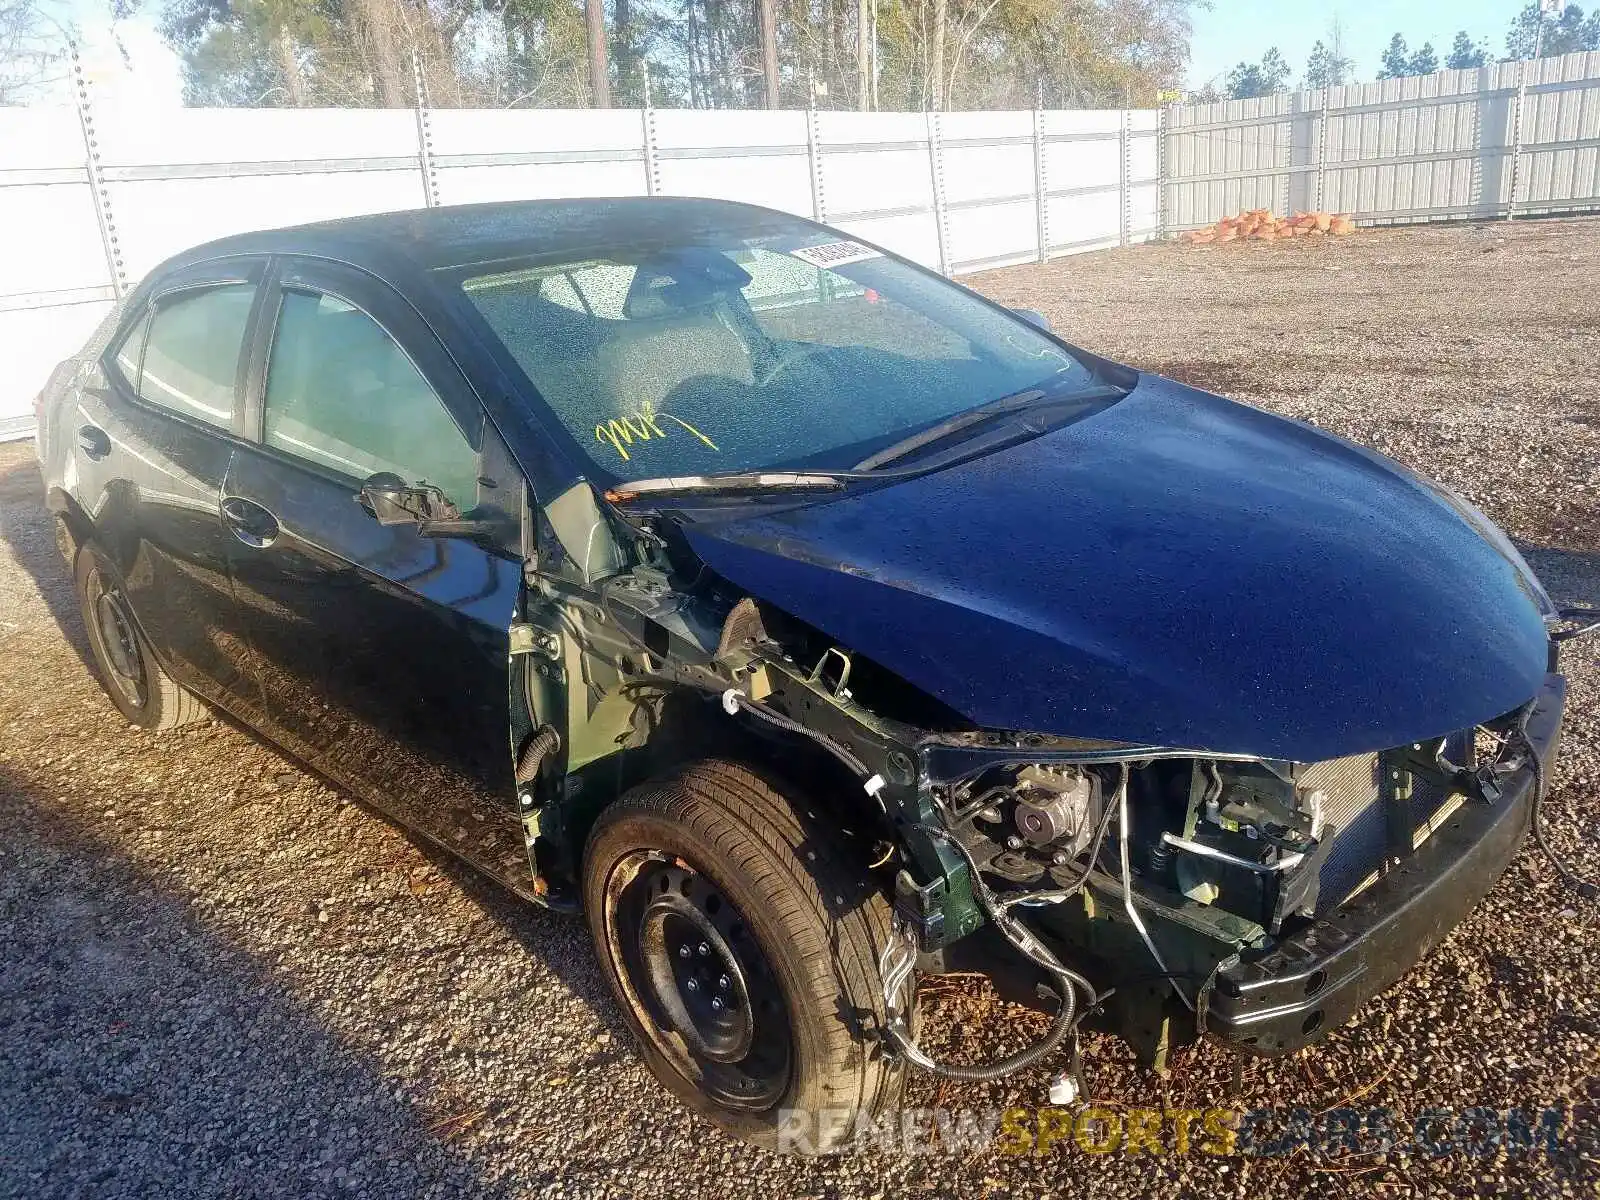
x=740 y=935
x=129 y=673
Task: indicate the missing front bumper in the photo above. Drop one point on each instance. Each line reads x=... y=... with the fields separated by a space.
x=1292 y=994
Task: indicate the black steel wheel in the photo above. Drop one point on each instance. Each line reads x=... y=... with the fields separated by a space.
x=135 y=682
x=116 y=643
x=689 y=961
x=740 y=935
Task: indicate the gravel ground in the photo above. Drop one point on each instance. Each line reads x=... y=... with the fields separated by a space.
x=219 y=977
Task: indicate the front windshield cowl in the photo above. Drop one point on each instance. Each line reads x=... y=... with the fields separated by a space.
x=636 y=489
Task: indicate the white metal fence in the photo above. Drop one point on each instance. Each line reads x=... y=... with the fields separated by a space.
x=1511 y=139
x=91 y=199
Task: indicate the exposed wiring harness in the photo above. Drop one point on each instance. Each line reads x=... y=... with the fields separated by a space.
x=1587 y=888
x=735 y=702
x=898 y=965
x=541 y=743
x=899 y=959
x=1587 y=620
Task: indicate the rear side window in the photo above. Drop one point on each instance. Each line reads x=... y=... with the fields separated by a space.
x=191 y=353
x=342 y=393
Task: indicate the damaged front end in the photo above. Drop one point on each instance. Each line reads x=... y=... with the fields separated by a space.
x=1259 y=902
x=1222 y=854
x=1164 y=894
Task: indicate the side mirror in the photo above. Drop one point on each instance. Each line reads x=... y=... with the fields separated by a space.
x=1033 y=317
x=392 y=501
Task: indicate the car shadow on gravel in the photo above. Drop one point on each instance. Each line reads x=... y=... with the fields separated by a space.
x=26 y=528
x=559 y=942
x=145 y=1056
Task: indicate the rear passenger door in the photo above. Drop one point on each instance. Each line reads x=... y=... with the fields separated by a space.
x=153 y=435
x=383 y=652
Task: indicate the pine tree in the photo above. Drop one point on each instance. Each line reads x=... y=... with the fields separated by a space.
x=1326 y=68
x=1567 y=34
x=1266 y=78
x=1395 y=61
x=1464 y=56
x=1424 y=61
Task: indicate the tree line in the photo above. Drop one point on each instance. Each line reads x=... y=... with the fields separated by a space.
x=889 y=54
x=1531 y=35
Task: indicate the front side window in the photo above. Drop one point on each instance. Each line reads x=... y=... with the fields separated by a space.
x=342 y=393
x=781 y=348
x=190 y=358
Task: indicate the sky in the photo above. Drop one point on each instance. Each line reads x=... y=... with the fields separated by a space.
x=1244 y=30
x=131 y=65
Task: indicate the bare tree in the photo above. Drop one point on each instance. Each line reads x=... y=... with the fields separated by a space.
x=769 y=49
x=29 y=50
x=594 y=15
x=379 y=23
x=289 y=64
x=863 y=55
x=966 y=29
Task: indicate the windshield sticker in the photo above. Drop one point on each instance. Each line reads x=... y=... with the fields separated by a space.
x=835 y=254
x=621 y=432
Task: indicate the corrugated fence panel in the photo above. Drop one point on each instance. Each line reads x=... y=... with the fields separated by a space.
x=521 y=154
x=1405 y=146
x=1561 y=132
x=199 y=174
x=756 y=157
x=54 y=282
x=1413 y=149
x=1241 y=154
x=989 y=188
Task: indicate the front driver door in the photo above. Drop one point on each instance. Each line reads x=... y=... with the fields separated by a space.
x=383 y=653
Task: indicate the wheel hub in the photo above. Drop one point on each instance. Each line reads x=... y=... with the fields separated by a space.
x=698 y=981
x=697 y=978
x=118 y=642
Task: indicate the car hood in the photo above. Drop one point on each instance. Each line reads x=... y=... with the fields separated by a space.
x=1175 y=570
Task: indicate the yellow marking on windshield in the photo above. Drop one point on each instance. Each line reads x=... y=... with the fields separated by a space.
x=691 y=429
x=620 y=432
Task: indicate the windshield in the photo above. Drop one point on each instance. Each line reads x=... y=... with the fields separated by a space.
x=780 y=350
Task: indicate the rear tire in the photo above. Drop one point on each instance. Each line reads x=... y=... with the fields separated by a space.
x=714 y=884
x=129 y=673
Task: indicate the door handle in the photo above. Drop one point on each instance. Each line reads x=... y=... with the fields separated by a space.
x=94 y=441
x=249 y=522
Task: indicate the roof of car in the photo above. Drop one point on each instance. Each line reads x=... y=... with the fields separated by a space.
x=458 y=235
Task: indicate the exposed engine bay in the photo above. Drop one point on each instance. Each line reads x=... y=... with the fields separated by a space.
x=1101 y=881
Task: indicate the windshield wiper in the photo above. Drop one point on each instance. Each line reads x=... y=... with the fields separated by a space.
x=732 y=481
x=1023 y=401
x=867 y=469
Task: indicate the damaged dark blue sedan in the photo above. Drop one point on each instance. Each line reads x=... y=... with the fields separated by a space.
x=812 y=624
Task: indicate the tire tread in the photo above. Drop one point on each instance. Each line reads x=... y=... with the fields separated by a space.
x=813 y=886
